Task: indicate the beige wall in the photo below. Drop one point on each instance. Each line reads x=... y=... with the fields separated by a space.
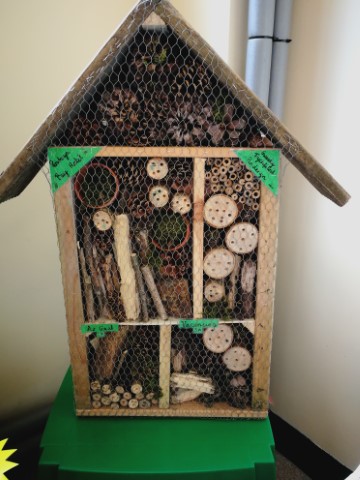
x=44 y=46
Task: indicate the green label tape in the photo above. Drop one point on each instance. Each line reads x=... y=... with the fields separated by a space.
x=199 y=325
x=66 y=162
x=101 y=329
x=264 y=164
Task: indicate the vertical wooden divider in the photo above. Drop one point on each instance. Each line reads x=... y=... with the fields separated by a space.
x=164 y=365
x=265 y=293
x=198 y=236
x=65 y=221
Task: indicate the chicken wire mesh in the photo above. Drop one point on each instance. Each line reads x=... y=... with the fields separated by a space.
x=147 y=261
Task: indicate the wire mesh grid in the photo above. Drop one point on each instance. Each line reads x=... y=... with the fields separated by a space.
x=163 y=238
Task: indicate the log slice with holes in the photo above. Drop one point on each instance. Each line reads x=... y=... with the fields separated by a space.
x=218 y=339
x=157 y=168
x=219 y=263
x=242 y=238
x=220 y=211
x=237 y=359
x=214 y=291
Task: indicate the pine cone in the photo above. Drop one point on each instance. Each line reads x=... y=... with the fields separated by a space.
x=187 y=122
x=231 y=124
x=121 y=111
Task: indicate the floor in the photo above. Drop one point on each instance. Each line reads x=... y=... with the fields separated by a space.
x=285 y=470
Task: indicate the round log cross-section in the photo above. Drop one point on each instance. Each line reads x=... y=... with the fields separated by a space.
x=220 y=211
x=237 y=359
x=102 y=220
x=181 y=203
x=242 y=238
x=157 y=168
x=159 y=196
x=218 y=339
x=219 y=263
x=214 y=291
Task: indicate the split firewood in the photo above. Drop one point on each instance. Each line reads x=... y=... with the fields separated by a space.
x=183 y=395
x=129 y=293
x=233 y=283
x=136 y=388
x=96 y=404
x=149 y=396
x=192 y=382
x=114 y=406
x=88 y=290
x=144 y=403
x=123 y=402
x=175 y=294
x=178 y=360
x=114 y=397
x=154 y=292
x=106 y=389
x=105 y=400
x=107 y=352
x=133 y=403
x=96 y=397
x=139 y=396
x=119 y=389
x=141 y=287
x=127 y=395
x=155 y=402
x=95 y=386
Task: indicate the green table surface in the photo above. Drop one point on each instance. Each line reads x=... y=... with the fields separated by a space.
x=152 y=448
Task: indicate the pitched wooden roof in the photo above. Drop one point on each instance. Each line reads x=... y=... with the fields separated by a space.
x=34 y=155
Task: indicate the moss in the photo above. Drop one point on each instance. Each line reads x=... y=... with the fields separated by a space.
x=170 y=231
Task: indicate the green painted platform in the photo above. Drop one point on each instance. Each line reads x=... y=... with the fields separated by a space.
x=152 y=448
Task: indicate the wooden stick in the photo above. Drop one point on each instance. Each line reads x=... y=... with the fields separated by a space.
x=128 y=290
x=88 y=291
x=141 y=287
x=164 y=366
x=198 y=237
x=151 y=285
x=234 y=277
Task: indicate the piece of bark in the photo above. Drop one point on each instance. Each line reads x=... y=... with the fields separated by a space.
x=248 y=274
x=190 y=381
x=120 y=362
x=233 y=287
x=88 y=291
x=141 y=287
x=178 y=360
x=128 y=289
x=183 y=395
x=153 y=290
x=143 y=243
x=176 y=296
x=107 y=352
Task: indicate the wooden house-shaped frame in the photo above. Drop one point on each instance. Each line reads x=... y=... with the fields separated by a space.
x=167 y=224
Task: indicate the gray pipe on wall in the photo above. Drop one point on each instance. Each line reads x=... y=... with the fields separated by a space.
x=280 y=53
x=269 y=24
x=259 y=48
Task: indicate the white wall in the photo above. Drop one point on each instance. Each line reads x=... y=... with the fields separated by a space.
x=315 y=383
x=316 y=355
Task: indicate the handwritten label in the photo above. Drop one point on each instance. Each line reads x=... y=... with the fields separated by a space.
x=66 y=162
x=199 y=325
x=264 y=164
x=101 y=329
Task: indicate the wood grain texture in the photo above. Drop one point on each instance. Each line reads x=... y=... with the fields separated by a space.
x=198 y=237
x=265 y=293
x=164 y=368
x=313 y=171
x=64 y=211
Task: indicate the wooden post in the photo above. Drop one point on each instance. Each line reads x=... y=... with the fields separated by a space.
x=198 y=236
x=164 y=367
x=265 y=290
x=63 y=201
